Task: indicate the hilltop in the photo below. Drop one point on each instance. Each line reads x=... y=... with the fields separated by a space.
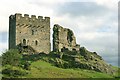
x=60 y=65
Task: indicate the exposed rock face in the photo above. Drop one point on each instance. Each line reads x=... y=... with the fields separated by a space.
x=89 y=61
x=64 y=39
x=95 y=62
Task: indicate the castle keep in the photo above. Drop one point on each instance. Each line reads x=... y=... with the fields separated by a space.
x=64 y=39
x=29 y=31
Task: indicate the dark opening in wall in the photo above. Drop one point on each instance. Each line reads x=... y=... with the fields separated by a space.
x=69 y=36
x=64 y=49
x=24 y=42
x=73 y=49
x=27 y=41
x=32 y=32
x=36 y=42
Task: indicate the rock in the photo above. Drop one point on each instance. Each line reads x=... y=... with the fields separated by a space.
x=77 y=60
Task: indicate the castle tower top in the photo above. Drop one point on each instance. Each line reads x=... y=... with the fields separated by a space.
x=32 y=17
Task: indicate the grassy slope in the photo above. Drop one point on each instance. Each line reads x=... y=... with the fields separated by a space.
x=117 y=69
x=41 y=69
x=0 y=71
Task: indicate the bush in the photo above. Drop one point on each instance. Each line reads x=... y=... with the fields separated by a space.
x=13 y=71
x=11 y=57
x=26 y=65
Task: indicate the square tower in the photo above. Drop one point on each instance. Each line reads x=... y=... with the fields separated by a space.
x=29 y=31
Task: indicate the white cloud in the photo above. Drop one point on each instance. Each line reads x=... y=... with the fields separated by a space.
x=112 y=4
x=3 y=47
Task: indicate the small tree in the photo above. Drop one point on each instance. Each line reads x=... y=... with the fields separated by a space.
x=11 y=57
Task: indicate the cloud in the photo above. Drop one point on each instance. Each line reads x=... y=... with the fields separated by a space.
x=3 y=41
x=105 y=44
x=3 y=37
x=3 y=47
x=111 y=4
x=76 y=9
x=112 y=60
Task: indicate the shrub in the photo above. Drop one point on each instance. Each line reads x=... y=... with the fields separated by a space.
x=26 y=65
x=13 y=71
x=11 y=57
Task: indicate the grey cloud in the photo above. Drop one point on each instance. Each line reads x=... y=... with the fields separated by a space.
x=105 y=46
x=81 y=9
x=3 y=37
x=112 y=60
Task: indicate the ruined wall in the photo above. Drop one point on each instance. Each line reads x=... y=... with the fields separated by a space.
x=64 y=38
x=31 y=31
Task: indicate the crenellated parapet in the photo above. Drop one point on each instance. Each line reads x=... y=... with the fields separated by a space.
x=33 y=20
x=33 y=17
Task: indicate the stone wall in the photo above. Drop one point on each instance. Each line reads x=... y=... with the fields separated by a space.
x=64 y=39
x=12 y=32
x=31 y=31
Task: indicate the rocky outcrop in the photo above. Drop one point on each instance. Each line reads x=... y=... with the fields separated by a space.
x=95 y=62
x=83 y=59
x=89 y=55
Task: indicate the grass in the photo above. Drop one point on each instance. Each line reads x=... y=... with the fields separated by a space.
x=117 y=69
x=0 y=71
x=41 y=69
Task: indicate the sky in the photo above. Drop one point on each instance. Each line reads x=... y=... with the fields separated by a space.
x=94 y=22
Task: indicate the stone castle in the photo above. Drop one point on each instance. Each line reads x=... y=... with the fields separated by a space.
x=32 y=35
x=27 y=31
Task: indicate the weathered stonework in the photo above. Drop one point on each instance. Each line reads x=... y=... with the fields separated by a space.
x=31 y=31
x=63 y=39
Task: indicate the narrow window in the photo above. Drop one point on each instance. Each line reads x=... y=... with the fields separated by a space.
x=36 y=32
x=36 y=42
x=27 y=41
x=24 y=42
x=32 y=32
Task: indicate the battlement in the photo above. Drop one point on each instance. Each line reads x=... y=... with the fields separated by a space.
x=32 y=17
